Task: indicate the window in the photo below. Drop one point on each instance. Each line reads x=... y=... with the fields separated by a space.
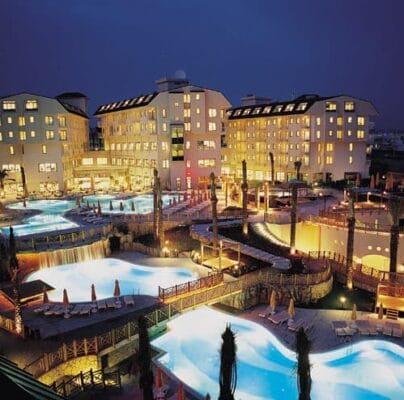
x=328 y=160
x=247 y=111
x=33 y=134
x=278 y=108
x=62 y=121
x=102 y=161
x=23 y=135
x=212 y=112
x=9 y=105
x=153 y=146
x=330 y=133
x=361 y=121
x=331 y=120
x=360 y=134
x=349 y=106
x=31 y=105
x=329 y=147
x=188 y=163
x=301 y=106
x=318 y=121
x=44 y=149
x=339 y=135
x=187 y=126
x=31 y=119
x=166 y=164
x=21 y=121
x=198 y=110
x=187 y=112
x=176 y=104
x=350 y=119
x=9 y=120
x=187 y=144
x=212 y=126
x=187 y=98
x=289 y=107
x=350 y=146
x=48 y=120
x=164 y=127
x=330 y=106
x=198 y=124
x=1 y=137
x=340 y=121
x=164 y=146
x=349 y=133
x=267 y=110
x=350 y=160
x=146 y=146
x=197 y=96
x=164 y=112
x=63 y=134
x=206 y=163
x=11 y=167
x=87 y=161
x=206 y=144
x=50 y=135
x=10 y=134
x=47 y=167
x=12 y=151
x=318 y=134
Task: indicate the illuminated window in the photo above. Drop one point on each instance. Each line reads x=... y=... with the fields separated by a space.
x=164 y=127
x=212 y=126
x=328 y=160
x=349 y=133
x=31 y=104
x=1 y=137
x=278 y=108
x=9 y=105
x=329 y=147
x=9 y=120
x=360 y=134
x=206 y=144
x=11 y=167
x=330 y=106
x=247 y=111
x=11 y=149
x=23 y=135
x=187 y=144
x=62 y=121
x=318 y=160
x=44 y=149
x=176 y=104
x=153 y=146
x=350 y=146
x=301 y=106
x=31 y=119
x=164 y=146
x=50 y=135
x=87 y=161
x=187 y=98
x=21 y=121
x=340 y=121
x=33 y=134
x=361 y=121
x=10 y=134
x=339 y=135
x=349 y=106
x=206 y=163
x=63 y=134
x=164 y=112
x=350 y=159
x=198 y=124
x=146 y=146
x=318 y=121
x=102 y=161
x=331 y=120
x=267 y=110
x=330 y=133
x=48 y=120
x=318 y=134
x=187 y=112
x=289 y=107
x=197 y=96
x=188 y=163
x=47 y=167
x=350 y=119
x=187 y=126
x=166 y=164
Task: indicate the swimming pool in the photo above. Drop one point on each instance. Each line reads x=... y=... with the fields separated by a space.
x=371 y=370
x=51 y=218
x=133 y=278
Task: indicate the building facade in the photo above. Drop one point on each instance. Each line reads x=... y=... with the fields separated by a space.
x=44 y=135
x=326 y=134
x=178 y=130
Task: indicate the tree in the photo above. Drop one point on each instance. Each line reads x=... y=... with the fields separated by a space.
x=298 y=165
x=293 y=218
x=350 y=242
x=14 y=271
x=4 y=263
x=3 y=176
x=303 y=346
x=24 y=182
x=144 y=360
x=271 y=158
x=228 y=367
x=395 y=208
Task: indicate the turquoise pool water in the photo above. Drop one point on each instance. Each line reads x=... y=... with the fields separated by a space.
x=368 y=370
x=133 y=278
x=51 y=218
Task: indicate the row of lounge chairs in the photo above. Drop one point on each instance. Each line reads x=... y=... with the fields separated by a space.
x=283 y=316
x=367 y=328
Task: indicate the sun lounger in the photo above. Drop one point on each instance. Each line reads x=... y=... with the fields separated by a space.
x=268 y=311
x=101 y=305
x=128 y=300
x=76 y=309
x=363 y=327
x=86 y=309
x=397 y=332
x=110 y=303
x=373 y=329
x=339 y=324
x=279 y=317
x=387 y=330
x=42 y=308
x=296 y=325
x=56 y=309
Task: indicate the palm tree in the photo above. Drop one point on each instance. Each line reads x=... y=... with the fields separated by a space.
x=14 y=270
x=24 y=182
x=213 y=200
x=303 y=346
x=395 y=208
x=144 y=360
x=244 y=188
x=155 y=206
x=271 y=158
x=298 y=165
x=4 y=264
x=293 y=218
x=228 y=368
x=350 y=243
x=3 y=176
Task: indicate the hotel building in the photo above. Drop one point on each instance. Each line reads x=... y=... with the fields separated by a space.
x=44 y=135
x=327 y=134
x=178 y=130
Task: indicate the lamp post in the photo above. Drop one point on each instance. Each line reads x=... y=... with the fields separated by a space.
x=321 y=194
x=368 y=197
x=342 y=299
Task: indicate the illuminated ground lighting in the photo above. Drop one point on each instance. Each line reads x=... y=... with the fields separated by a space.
x=367 y=370
x=51 y=219
x=263 y=231
x=133 y=278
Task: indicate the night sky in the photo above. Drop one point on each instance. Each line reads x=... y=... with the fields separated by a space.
x=115 y=49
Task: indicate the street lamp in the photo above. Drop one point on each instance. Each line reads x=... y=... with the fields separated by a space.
x=342 y=299
x=368 y=196
x=321 y=194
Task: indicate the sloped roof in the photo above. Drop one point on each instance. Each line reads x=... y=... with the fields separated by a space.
x=27 y=289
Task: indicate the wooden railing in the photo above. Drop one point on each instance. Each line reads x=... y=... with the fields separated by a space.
x=190 y=286
x=391 y=290
x=90 y=380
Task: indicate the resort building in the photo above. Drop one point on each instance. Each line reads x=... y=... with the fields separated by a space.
x=44 y=135
x=326 y=134
x=178 y=130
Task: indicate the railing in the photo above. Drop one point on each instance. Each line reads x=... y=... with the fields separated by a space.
x=90 y=380
x=391 y=290
x=191 y=286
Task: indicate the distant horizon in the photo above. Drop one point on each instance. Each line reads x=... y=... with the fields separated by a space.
x=112 y=50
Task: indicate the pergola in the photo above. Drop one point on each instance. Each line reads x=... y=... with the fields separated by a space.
x=222 y=262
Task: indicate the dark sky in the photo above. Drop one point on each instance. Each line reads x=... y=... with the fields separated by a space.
x=114 y=49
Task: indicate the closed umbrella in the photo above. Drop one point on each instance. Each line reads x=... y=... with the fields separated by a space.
x=372 y=182
x=180 y=392
x=272 y=301
x=24 y=203
x=117 y=289
x=121 y=206
x=132 y=205
x=93 y=294
x=99 y=207
x=159 y=378
x=380 y=315
x=65 y=299
x=291 y=308
x=110 y=205
x=353 y=315
x=45 y=296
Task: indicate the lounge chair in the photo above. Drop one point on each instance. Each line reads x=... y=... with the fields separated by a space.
x=339 y=325
x=42 y=308
x=267 y=312
x=373 y=329
x=128 y=300
x=296 y=325
x=110 y=303
x=279 y=317
x=101 y=305
x=387 y=329
x=76 y=309
x=363 y=327
x=397 y=332
x=86 y=309
x=56 y=309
